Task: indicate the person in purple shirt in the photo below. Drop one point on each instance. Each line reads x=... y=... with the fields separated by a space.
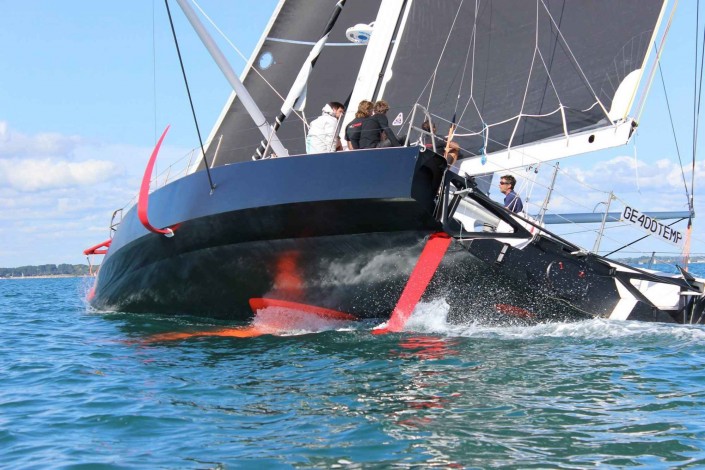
x=512 y=201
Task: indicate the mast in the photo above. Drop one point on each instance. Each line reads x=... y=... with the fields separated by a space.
x=245 y=98
x=389 y=57
x=370 y=77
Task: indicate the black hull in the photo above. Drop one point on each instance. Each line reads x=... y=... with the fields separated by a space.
x=342 y=232
x=306 y=229
x=360 y=274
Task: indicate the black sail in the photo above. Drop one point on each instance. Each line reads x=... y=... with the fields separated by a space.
x=297 y=26
x=513 y=64
x=512 y=72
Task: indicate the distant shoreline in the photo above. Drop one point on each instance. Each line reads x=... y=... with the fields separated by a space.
x=47 y=276
x=48 y=271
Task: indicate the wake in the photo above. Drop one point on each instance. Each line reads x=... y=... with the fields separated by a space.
x=431 y=317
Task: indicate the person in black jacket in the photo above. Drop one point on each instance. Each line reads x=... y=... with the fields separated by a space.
x=375 y=131
x=352 y=131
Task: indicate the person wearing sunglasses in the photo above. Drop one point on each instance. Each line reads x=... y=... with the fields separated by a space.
x=512 y=201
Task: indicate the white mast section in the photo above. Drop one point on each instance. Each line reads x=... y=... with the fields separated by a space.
x=377 y=48
x=390 y=64
x=242 y=93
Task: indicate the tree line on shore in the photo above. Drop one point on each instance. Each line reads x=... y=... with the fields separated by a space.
x=47 y=270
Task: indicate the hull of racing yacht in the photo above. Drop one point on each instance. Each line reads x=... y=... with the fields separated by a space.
x=332 y=230
x=337 y=231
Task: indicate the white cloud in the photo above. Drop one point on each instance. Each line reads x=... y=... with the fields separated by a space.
x=646 y=185
x=657 y=185
x=624 y=173
x=15 y=144
x=57 y=193
x=30 y=175
x=47 y=161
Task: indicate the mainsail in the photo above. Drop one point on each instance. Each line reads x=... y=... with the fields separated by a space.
x=516 y=72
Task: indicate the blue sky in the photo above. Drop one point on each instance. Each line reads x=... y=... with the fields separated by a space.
x=86 y=87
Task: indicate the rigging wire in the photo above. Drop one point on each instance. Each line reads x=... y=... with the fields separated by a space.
x=188 y=91
x=432 y=77
x=639 y=239
x=695 y=78
x=465 y=66
x=697 y=99
x=471 y=98
x=673 y=127
x=154 y=67
x=528 y=80
x=440 y=56
x=697 y=91
x=657 y=59
x=636 y=164
x=574 y=58
x=242 y=56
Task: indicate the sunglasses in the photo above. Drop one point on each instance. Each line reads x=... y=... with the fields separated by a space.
x=503 y=182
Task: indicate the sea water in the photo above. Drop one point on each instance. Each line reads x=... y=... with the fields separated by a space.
x=80 y=389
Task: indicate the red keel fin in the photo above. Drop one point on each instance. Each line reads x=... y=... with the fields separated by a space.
x=254 y=330
x=425 y=268
x=260 y=303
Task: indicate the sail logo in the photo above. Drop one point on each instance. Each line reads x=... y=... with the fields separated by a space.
x=398 y=120
x=652 y=226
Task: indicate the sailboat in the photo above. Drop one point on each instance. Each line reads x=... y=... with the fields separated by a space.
x=369 y=233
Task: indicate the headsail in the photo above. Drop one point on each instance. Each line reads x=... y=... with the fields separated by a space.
x=295 y=28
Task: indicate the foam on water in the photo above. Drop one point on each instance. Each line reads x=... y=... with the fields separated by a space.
x=432 y=317
x=429 y=317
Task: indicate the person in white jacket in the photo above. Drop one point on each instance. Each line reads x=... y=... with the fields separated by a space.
x=322 y=131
